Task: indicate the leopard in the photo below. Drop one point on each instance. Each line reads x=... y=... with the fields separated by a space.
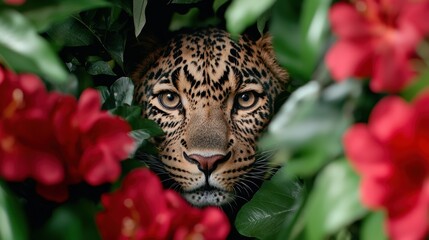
x=213 y=95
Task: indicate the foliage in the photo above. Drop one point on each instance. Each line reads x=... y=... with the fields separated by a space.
x=76 y=44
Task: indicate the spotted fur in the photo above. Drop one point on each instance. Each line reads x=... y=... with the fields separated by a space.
x=209 y=147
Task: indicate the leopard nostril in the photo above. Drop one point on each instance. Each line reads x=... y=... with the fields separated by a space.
x=207 y=163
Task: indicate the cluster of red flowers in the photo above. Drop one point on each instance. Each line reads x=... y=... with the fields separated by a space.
x=141 y=209
x=377 y=39
x=392 y=155
x=55 y=139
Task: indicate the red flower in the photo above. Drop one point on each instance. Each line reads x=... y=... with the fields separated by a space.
x=392 y=155
x=56 y=140
x=141 y=209
x=377 y=39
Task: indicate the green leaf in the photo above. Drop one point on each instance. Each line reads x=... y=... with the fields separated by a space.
x=373 y=227
x=299 y=30
x=242 y=13
x=99 y=68
x=273 y=207
x=122 y=90
x=419 y=84
x=149 y=126
x=128 y=113
x=71 y=221
x=13 y=225
x=23 y=50
x=314 y=31
x=71 y=33
x=139 y=16
x=217 y=4
x=334 y=201
x=43 y=14
x=115 y=46
x=185 y=1
x=309 y=127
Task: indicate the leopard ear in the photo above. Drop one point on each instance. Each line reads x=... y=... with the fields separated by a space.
x=268 y=55
x=141 y=55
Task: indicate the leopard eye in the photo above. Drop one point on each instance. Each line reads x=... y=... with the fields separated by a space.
x=246 y=100
x=169 y=100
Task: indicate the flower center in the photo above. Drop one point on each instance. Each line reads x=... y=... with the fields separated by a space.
x=16 y=103
x=130 y=223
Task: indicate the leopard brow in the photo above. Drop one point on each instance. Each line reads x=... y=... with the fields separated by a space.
x=252 y=84
x=163 y=85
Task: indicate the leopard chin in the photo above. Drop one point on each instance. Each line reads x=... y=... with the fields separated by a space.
x=208 y=196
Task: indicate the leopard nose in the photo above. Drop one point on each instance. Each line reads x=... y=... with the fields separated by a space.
x=208 y=163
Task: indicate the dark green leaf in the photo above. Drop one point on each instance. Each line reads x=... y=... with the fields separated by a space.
x=149 y=126
x=24 y=50
x=334 y=201
x=115 y=46
x=217 y=4
x=122 y=90
x=373 y=227
x=71 y=33
x=128 y=113
x=242 y=13
x=100 y=67
x=13 y=225
x=45 y=13
x=71 y=221
x=184 y=1
x=274 y=206
x=139 y=16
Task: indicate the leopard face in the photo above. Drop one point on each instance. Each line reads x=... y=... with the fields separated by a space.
x=213 y=97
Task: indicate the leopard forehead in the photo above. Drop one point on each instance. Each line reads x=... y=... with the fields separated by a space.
x=208 y=70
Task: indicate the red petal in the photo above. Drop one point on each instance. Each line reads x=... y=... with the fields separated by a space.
x=374 y=192
x=365 y=152
x=88 y=110
x=347 y=22
x=215 y=224
x=416 y=14
x=98 y=167
x=348 y=59
x=413 y=224
x=47 y=169
x=392 y=72
x=57 y=193
x=392 y=118
x=421 y=107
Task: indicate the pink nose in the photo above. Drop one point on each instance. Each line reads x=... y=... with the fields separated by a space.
x=207 y=163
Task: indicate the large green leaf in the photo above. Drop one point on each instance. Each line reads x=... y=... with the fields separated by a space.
x=309 y=127
x=314 y=28
x=71 y=33
x=242 y=13
x=43 y=14
x=139 y=15
x=22 y=49
x=334 y=201
x=373 y=227
x=12 y=222
x=299 y=30
x=273 y=207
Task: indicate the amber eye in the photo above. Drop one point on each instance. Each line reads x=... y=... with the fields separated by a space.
x=246 y=100
x=169 y=100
